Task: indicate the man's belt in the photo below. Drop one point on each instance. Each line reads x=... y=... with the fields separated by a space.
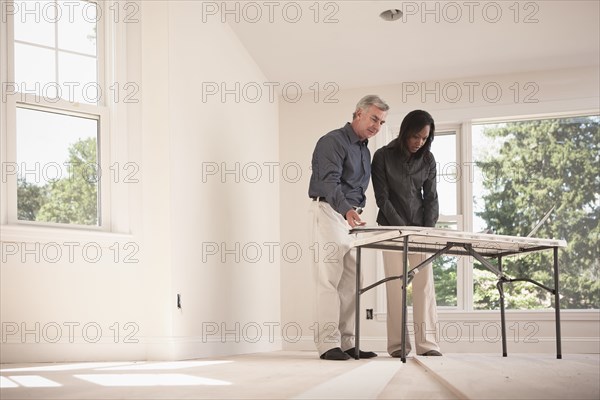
x=359 y=210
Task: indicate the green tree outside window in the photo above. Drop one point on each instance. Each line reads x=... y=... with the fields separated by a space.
x=533 y=166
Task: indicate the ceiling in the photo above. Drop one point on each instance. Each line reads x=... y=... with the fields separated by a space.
x=346 y=42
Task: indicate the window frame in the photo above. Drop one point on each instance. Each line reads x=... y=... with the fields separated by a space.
x=464 y=217
x=111 y=67
x=65 y=108
x=462 y=272
x=459 y=218
x=469 y=204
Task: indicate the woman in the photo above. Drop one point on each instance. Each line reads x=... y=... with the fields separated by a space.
x=404 y=181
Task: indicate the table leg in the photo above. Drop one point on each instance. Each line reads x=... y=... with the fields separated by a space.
x=357 y=311
x=404 y=306
x=557 y=305
x=502 y=310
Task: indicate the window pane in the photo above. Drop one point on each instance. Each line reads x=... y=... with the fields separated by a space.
x=78 y=78
x=74 y=55
x=77 y=28
x=444 y=272
x=445 y=267
x=57 y=161
x=444 y=150
x=35 y=70
x=523 y=169
x=34 y=21
x=447 y=194
x=482 y=147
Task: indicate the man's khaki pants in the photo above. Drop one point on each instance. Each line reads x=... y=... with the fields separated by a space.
x=334 y=268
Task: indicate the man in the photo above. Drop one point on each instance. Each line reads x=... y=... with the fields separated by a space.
x=341 y=169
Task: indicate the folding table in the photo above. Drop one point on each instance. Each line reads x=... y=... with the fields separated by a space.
x=481 y=246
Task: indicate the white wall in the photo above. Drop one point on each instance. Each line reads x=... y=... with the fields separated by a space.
x=215 y=214
x=302 y=123
x=175 y=215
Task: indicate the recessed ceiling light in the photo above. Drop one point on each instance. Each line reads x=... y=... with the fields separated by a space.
x=391 y=15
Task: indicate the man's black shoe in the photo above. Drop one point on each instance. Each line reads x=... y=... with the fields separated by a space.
x=431 y=353
x=335 y=354
x=361 y=354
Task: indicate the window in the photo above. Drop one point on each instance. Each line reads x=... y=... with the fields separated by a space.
x=446 y=268
x=56 y=49
x=49 y=190
x=512 y=174
x=57 y=130
x=522 y=170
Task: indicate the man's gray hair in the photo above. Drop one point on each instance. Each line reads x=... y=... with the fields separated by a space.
x=371 y=100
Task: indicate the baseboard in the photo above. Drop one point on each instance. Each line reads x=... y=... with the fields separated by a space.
x=570 y=345
x=146 y=349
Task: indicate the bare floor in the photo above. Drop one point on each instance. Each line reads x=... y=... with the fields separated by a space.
x=301 y=375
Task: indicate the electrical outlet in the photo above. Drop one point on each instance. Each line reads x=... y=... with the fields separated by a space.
x=178 y=301
x=369 y=313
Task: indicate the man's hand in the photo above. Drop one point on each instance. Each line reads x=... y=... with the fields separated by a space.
x=353 y=218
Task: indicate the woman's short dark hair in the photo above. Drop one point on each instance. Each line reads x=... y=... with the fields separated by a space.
x=412 y=124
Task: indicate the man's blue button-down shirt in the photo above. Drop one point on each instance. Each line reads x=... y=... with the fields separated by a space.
x=341 y=169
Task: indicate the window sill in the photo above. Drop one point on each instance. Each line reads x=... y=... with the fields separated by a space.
x=43 y=235
x=512 y=315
